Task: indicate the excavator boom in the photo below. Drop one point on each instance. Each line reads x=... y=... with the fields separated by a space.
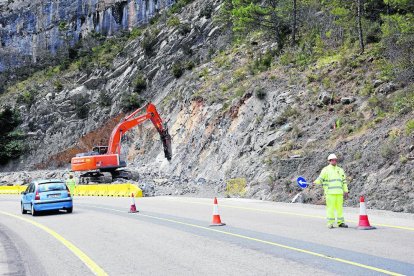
x=109 y=161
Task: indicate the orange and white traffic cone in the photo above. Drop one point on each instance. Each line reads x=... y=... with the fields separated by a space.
x=363 y=217
x=133 y=208
x=216 y=216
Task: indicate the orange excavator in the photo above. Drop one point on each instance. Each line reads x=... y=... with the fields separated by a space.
x=104 y=160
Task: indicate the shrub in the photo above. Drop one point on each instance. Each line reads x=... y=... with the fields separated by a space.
x=104 y=99
x=403 y=102
x=290 y=112
x=62 y=26
x=177 y=69
x=82 y=111
x=80 y=102
x=280 y=120
x=409 y=127
x=154 y=20
x=58 y=86
x=135 y=33
x=260 y=93
x=262 y=63
x=139 y=83
x=240 y=74
x=206 y=11
x=177 y=7
x=187 y=50
x=27 y=97
x=148 y=43
x=11 y=141
x=388 y=150
x=184 y=29
x=189 y=65
x=173 y=21
x=367 y=90
x=132 y=101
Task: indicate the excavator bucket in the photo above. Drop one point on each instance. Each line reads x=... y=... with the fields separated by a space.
x=166 y=143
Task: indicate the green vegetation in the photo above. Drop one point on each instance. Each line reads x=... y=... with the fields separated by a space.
x=173 y=21
x=104 y=99
x=179 y=5
x=149 y=41
x=63 y=26
x=11 y=140
x=206 y=11
x=184 y=28
x=135 y=33
x=403 y=101
x=131 y=101
x=58 y=86
x=139 y=83
x=347 y=25
x=388 y=150
x=27 y=97
x=261 y=63
x=189 y=65
x=177 y=69
x=80 y=102
x=103 y=55
x=409 y=127
x=260 y=93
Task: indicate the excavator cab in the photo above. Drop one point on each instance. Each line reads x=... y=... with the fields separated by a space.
x=100 y=149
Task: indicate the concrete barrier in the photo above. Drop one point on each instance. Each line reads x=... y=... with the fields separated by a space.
x=121 y=190
x=12 y=189
x=124 y=190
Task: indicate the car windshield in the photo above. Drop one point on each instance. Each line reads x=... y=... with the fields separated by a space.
x=54 y=186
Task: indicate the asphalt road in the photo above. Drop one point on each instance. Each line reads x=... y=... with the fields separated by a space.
x=172 y=236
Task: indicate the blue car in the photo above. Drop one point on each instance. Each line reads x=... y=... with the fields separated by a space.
x=45 y=195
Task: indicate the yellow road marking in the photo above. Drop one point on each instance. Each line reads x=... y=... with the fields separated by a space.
x=265 y=242
x=293 y=214
x=82 y=256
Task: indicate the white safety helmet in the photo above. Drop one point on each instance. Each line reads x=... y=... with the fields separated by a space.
x=332 y=156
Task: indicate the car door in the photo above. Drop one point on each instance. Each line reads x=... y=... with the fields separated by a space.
x=29 y=196
x=24 y=196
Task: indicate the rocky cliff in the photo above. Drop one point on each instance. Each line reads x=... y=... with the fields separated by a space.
x=33 y=29
x=228 y=119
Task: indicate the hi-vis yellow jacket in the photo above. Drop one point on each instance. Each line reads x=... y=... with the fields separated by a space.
x=333 y=180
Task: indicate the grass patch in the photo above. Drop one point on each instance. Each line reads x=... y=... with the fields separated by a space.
x=409 y=127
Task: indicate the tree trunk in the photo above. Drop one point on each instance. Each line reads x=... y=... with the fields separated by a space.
x=294 y=23
x=359 y=15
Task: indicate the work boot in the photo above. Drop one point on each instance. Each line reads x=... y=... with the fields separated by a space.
x=343 y=225
x=330 y=226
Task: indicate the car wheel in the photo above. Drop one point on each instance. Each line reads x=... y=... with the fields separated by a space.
x=34 y=213
x=23 y=210
x=69 y=210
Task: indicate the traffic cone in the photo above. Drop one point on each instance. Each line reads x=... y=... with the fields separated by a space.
x=133 y=208
x=363 y=217
x=216 y=216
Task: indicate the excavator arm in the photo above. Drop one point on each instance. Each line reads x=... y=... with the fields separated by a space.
x=131 y=121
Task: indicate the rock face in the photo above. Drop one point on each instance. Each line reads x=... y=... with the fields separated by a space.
x=31 y=29
x=273 y=131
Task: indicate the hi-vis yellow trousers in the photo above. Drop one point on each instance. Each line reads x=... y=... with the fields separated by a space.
x=334 y=203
